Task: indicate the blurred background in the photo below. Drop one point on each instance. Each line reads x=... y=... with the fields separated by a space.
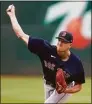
x=21 y=71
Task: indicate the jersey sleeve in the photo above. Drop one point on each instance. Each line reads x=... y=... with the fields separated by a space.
x=80 y=75
x=36 y=45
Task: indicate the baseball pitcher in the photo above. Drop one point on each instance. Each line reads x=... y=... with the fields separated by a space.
x=63 y=71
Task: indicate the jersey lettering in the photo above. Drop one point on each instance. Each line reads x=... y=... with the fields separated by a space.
x=66 y=74
x=49 y=65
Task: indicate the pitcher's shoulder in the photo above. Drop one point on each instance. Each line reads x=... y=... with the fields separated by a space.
x=76 y=57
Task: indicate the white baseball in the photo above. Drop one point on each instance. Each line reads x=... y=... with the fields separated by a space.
x=10 y=6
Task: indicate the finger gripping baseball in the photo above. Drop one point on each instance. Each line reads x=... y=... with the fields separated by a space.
x=60 y=81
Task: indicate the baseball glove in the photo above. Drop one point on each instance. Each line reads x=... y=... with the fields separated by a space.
x=60 y=81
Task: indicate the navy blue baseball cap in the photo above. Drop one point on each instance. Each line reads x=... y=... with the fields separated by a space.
x=66 y=36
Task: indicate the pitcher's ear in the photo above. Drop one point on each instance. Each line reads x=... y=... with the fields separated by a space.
x=70 y=45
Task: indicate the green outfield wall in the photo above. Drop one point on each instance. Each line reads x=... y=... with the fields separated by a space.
x=36 y=20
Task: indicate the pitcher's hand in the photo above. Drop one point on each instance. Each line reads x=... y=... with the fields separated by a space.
x=11 y=10
x=59 y=88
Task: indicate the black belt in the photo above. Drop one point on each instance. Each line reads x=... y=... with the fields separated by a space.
x=49 y=83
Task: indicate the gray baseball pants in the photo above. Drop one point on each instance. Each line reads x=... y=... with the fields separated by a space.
x=51 y=95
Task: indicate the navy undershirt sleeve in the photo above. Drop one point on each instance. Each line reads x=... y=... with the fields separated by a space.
x=35 y=45
x=38 y=46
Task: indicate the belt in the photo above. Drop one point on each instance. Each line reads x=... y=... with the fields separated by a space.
x=49 y=83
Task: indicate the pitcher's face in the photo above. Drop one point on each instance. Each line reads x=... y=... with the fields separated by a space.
x=63 y=45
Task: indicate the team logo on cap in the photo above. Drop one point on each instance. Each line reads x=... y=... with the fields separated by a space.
x=64 y=34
